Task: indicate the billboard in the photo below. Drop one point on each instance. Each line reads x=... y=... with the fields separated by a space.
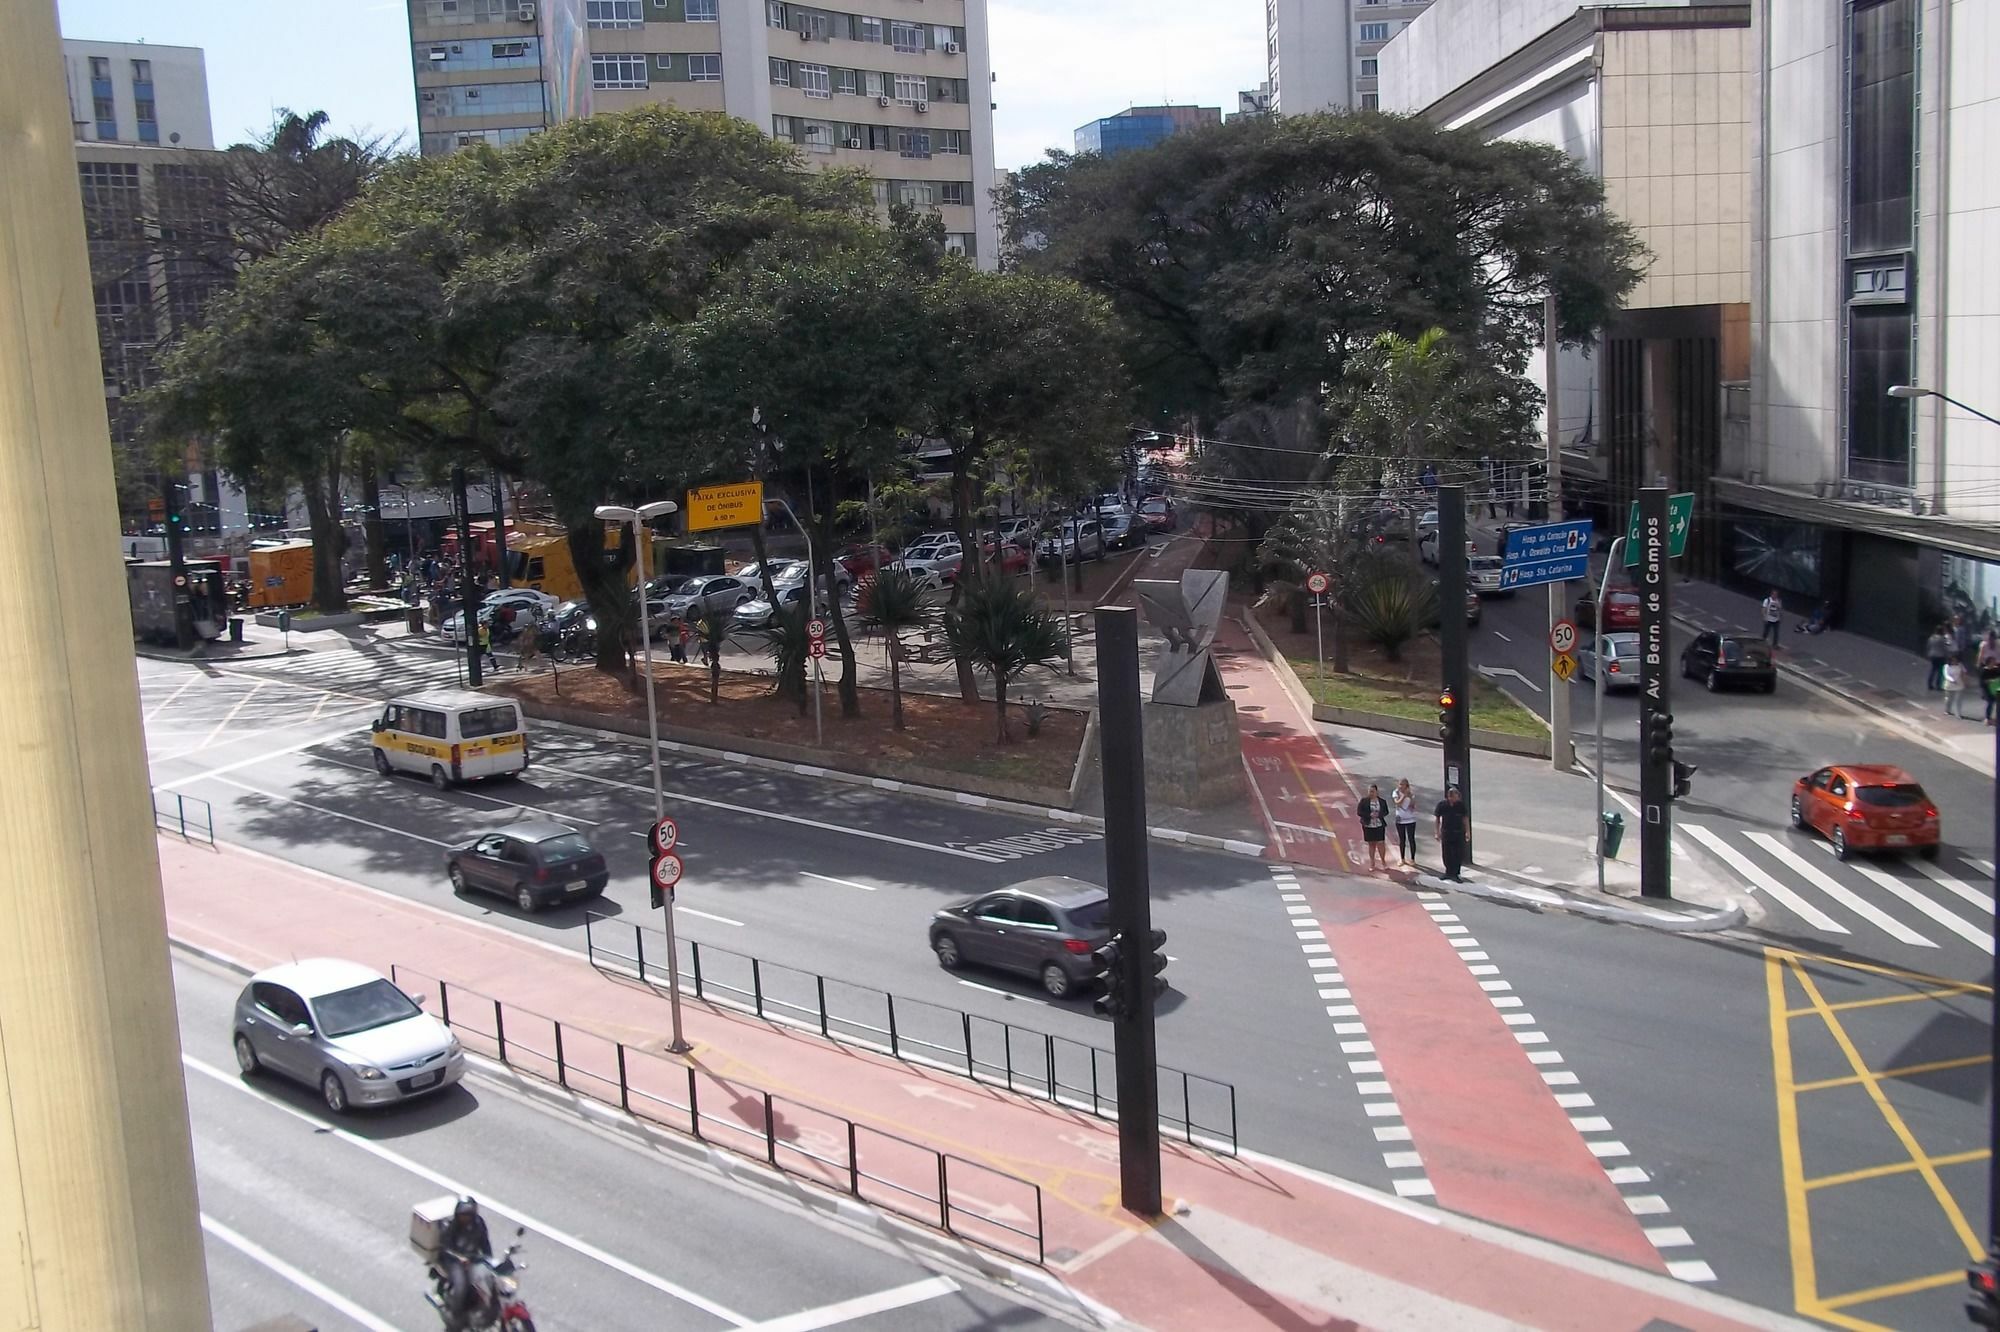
x=565 y=59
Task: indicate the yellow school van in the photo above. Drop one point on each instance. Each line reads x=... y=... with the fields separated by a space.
x=450 y=736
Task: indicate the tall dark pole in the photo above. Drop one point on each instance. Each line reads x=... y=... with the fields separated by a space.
x=1656 y=767
x=170 y=491
x=468 y=586
x=1455 y=676
x=500 y=527
x=1121 y=733
x=1993 y=1064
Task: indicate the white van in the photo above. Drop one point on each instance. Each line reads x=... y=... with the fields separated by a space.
x=450 y=736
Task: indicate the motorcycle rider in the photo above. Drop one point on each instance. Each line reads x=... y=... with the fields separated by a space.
x=463 y=1241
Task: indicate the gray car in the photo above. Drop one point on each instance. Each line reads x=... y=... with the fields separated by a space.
x=345 y=1030
x=717 y=594
x=1620 y=653
x=1046 y=928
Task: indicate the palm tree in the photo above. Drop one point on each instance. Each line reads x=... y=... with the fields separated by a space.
x=711 y=631
x=1000 y=627
x=785 y=639
x=892 y=602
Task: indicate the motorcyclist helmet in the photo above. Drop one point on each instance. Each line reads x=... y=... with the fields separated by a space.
x=466 y=1209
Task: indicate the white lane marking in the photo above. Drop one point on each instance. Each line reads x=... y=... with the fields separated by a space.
x=1393 y=1133
x=1668 y=1237
x=1691 y=1270
x=194 y=677
x=845 y=883
x=1647 y=1204
x=1004 y=994
x=1972 y=934
x=263 y=756
x=1421 y=1187
x=1854 y=902
x=861 y=1306
x=1983 y=866
x=1757 y=878
x=1403 y=1160
x=1952 y=884
x=559 y=815
x=486 y=1200
x=783 y=818
x=1502 y=637
x=319 y=1290
x=330 y=813
x=709 y=915
x=1627 y=1175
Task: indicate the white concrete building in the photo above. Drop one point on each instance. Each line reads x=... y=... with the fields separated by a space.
x=1653 y=98
x=1322 y=54
x=132 y=92
x=1876 y=247
x=902 y=90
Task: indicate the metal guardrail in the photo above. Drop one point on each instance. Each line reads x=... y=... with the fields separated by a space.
x=878 y=1168
x=189 y=817
x=1200 y=1111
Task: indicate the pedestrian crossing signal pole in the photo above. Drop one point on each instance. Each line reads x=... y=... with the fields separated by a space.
x=468 y=588
x=1128 y=965
x=1656 y=757
x=1984 y=1278
x=1455 y=667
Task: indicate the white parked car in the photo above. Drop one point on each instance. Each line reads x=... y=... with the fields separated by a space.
x=758 y=614
x=939 y=563
x=1077 y=539
x=720 y=593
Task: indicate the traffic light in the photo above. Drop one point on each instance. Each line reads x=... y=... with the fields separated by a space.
x=1683 y=779
x=1660 y=737
x=1109 y=961
x=1984 y=1306
x=1156 y=962
x=1447 y=716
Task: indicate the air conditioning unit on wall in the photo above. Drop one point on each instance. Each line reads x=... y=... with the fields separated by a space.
x=855 y=143
x=525 y=12
x=882 y=101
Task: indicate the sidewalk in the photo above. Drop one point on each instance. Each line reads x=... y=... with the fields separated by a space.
x=1247 y=1244
x=1876 y=677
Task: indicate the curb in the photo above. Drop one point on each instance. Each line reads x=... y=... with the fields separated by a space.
x=1200 y=841
x=945 y=1250
x=1702 y=921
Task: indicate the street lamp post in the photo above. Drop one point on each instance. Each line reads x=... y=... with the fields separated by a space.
x=1993 y=1064
x=642 y=550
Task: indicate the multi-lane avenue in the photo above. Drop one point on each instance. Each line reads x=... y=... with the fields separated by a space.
x=1729 y=1086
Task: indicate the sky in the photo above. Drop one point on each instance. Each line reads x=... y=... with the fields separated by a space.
x=1060 y=62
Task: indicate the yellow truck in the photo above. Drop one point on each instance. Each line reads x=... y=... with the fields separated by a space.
x=281 y=573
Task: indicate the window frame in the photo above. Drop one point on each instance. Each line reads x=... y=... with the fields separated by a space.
x=709 y=70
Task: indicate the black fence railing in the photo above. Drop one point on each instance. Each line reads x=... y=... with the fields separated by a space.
x=188 y=817
x=881 y=1169
x=1200 y=1111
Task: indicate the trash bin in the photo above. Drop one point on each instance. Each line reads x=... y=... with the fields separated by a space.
x=1614 y=833
x=236 y=629
x=414 y=617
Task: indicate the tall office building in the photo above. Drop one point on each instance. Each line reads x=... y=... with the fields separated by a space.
x=1141 y=127
x=902 y=91
x=155 y=216
x=1322 y=52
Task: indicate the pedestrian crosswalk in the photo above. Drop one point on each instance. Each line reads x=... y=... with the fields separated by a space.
x=1916 y=902
x=373 y=670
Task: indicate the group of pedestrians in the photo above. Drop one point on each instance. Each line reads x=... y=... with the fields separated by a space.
x=1958 y=665
x=1451 y=825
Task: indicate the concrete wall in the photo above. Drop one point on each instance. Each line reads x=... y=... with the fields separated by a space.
x=1313 y=69
x=1456 y=40
x=1966 y=258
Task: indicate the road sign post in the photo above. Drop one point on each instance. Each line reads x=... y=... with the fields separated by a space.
x=1656 y=773
x=1547 y=553
x=1454 y=682
x=1317 y=584
x=1680 y=517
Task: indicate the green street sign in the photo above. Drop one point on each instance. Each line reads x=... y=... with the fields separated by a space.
x=1680 y=517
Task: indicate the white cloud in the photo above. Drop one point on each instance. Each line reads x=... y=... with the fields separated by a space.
x=1062 y=63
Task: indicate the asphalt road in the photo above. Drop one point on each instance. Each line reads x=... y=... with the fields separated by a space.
x=1693 y=1049
x=309 y=1216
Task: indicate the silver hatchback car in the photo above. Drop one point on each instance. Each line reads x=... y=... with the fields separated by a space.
x=345 y=1030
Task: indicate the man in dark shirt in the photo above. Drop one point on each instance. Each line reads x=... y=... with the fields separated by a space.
x=1454 y=825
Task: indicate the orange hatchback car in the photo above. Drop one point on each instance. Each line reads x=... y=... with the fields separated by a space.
x=1867 y=807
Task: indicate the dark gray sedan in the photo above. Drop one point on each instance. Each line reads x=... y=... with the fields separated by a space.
x=536 y=862
x=1046 y=928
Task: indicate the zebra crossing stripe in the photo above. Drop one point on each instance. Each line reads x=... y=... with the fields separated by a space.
x=1853 y=901
x=1757 y=878
x=1972 y=934
x=1952 y=884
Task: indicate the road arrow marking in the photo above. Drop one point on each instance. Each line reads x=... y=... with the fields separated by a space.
x=923 y=1091
x=1495 y=672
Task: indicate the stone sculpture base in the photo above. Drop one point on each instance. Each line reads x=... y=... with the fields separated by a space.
x=1194 y=756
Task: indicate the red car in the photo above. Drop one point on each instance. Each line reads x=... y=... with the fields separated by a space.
x=1866 y=807
x=862 y=558
x=1621 y=610
x=1013 y=558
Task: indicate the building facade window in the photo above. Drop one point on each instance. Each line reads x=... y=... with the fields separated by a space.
x=846 y=82
x=704 y=68
x=868 y=30
x=911 y=90
x=149 y=119
x=951 y=141
x=1880 y=187
x=815 y=81
x=875 y=84
x=1374 y=32
x=912 y=143
x=614 y=13
x=906 y=36
x=702 y=11
x=1368 y=67
x=774 y=13
x=105 y=112
x=481 y=99
x=522 y=53
x=1371 y=101
x=954 y=192
x=461 y=13
x=617 y=71
x=781 y=72
x=142 y=71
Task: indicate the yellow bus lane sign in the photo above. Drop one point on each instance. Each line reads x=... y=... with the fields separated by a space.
x=740 y=504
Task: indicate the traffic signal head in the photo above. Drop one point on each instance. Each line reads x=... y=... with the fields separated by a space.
x=1660 y=737
x=1447 y=714
x=1983 y=1279
x=1107 y=962
x=1683 y=779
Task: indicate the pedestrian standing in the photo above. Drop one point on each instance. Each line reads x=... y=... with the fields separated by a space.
x=1374 y=814
x=679 y=644
x=1454 y=826
x=486 y=645
x=1989 y=671
x=1405 y=801
x=1960 y=634
x=1954 y=686
x=1937 y=649
x=1774 y=617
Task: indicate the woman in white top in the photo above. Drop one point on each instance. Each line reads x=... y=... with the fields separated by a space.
x=1405 y=801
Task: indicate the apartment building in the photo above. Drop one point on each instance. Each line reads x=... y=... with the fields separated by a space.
x=1324 y=54
x=902 y=90
x=133 y=93
x=1141 y=127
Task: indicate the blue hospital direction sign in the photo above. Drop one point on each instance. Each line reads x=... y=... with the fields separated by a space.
x=1549 y=553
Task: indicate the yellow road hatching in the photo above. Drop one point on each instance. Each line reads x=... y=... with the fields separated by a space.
x=1808 y=1296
